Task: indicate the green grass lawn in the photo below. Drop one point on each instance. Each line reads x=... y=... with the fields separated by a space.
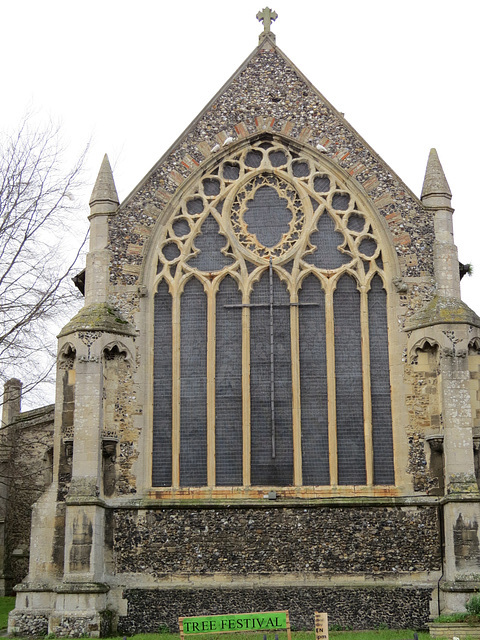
x=6 y=605
x=380 y=634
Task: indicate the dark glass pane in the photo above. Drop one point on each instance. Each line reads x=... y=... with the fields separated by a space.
x=356 y=222
x=368 y=246
x=211 y=187
x=266 y=470
x=181 y=228
x=171 y=251
x=313 y=384
x=340 y=201
x=195 y=206
x=228 y=385
x=162 y=389
x=268 y=216
x=300 y=169
x=349 y=387
x=321 y=184
x=327 y=240
x=253 y=159
x=383 y=470
x=193 y=389
x=278 y=158
x=210 y=242
x=231 y=171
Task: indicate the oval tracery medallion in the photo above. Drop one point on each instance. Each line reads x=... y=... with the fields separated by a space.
x=267 y=215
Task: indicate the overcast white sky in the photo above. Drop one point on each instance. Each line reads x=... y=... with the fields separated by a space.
x=131 y=76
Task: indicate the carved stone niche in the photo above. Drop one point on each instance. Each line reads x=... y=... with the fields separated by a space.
x=109 y=453
x=109 y=447
x=437 y=466
x=68 y=448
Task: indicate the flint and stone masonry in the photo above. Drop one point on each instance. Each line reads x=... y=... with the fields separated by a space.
x=270 y=399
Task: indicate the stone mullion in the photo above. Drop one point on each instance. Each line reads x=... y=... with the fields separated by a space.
x=332 y=409
x=296 y=406
x=246 y=395
x=176 y=390
x=367 y=391
x=211 y=319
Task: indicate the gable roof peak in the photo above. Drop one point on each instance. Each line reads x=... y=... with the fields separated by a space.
x=266 y=16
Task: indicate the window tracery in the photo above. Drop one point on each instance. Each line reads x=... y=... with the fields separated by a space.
x=271 y=346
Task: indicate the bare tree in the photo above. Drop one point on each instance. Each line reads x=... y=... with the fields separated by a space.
x=37 y=205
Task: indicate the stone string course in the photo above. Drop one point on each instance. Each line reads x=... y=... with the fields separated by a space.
x=381 y=540
x=360 y=608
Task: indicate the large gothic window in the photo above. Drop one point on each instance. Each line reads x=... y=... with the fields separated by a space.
x=271 y=363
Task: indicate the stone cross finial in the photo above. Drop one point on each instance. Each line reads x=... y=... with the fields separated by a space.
x=267 y=16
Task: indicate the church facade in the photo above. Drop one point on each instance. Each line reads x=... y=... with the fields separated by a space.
x=271 y=397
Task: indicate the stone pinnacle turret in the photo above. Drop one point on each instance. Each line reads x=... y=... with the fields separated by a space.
x=104 y=198
x=103 y=205
x=435 y=191
x=436 y=196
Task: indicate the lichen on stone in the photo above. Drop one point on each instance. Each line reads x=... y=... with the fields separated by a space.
x=98 y=317
x=442 y=310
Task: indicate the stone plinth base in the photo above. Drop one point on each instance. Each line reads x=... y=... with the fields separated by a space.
x=79 y=624
x=71 y=610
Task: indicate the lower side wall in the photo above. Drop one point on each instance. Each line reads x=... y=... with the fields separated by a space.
x=150 y=610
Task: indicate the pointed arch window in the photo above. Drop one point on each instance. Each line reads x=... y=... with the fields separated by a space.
x=271 y=361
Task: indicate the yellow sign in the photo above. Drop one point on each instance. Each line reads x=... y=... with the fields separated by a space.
x=321 y=626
